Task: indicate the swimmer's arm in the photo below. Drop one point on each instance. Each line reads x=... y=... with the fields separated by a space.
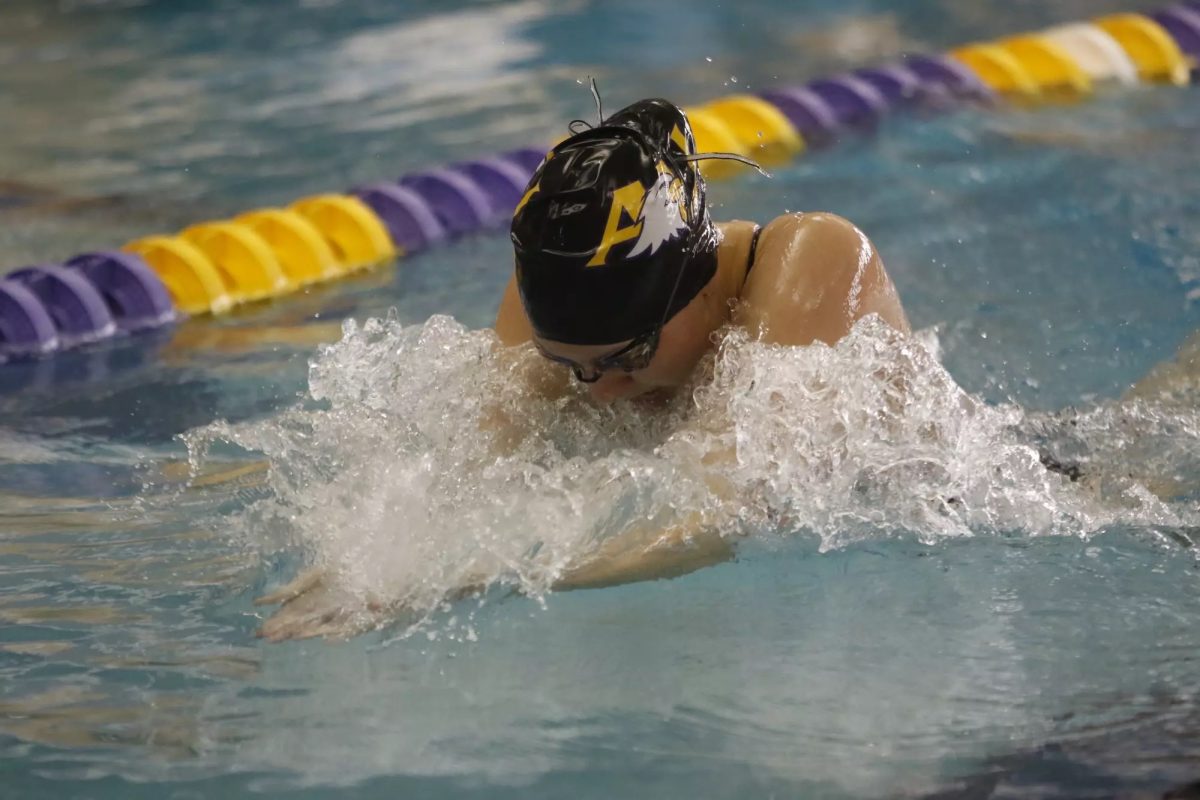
x=644 y=554
x=814 y=276
x=637 y=554
x=648 y=554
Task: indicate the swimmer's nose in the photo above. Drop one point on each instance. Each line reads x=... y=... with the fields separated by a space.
x=613 y=386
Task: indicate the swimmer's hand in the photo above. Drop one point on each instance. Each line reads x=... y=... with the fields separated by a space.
x=311 y=605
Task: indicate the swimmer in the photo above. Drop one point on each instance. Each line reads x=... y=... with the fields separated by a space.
x=621 y=280
x=622 y=277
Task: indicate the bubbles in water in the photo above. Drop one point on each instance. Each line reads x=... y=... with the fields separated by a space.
x=423 y=460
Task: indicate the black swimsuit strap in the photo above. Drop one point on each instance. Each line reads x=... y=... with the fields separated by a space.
x=753 y=251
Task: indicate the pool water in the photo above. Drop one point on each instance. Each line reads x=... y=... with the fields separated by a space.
x=917 y=607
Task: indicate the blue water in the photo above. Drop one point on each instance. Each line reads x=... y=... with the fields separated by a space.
x=1053 y=253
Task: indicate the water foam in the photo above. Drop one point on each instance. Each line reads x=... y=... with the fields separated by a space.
x=396 y=478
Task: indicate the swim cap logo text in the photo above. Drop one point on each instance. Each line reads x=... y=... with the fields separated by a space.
x=627 y=199
x=658 y=214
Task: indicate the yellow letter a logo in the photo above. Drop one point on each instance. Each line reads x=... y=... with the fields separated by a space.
x=629 y=199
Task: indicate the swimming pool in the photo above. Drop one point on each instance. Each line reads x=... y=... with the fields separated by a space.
x=874 y=642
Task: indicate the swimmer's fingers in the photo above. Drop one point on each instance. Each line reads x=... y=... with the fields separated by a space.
x=312 y=606
x=324 y=610
x=302 y=584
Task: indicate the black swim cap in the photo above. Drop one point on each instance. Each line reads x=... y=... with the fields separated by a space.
x=613 y=222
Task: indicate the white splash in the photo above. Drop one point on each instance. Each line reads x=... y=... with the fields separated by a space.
x=397 y=479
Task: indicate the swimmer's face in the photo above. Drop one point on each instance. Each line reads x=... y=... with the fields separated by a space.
x=681 y=344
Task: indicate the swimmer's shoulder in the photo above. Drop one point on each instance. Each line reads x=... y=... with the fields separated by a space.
x=814 y=274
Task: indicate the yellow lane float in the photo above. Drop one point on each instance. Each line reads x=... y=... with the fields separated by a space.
x=298 y=246
x=1050 y=67
x=998 y=69
x=191 y=278
x=242 y=257
x=1149 y=46
x=355 y=234
x=763 y=131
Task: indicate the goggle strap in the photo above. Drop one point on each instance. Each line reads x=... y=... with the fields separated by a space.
x=573 y=125
x=728 y=157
